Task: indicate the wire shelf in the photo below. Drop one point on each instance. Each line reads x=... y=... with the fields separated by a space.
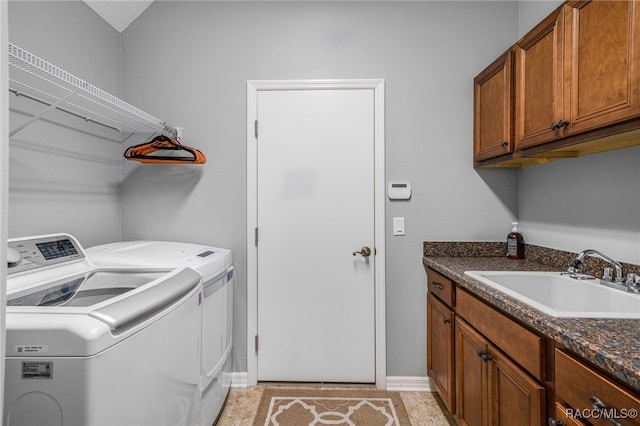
x=43 y=82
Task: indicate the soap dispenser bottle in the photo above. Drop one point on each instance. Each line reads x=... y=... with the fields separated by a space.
x=515 y=243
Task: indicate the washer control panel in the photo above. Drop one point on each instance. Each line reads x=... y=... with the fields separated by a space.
x=29 y=253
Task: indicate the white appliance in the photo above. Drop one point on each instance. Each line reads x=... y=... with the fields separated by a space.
x=215 y=265
x=108 y=345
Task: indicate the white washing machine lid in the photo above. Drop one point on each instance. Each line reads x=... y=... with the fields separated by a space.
x=60 y=304
x=112 y=304
x=208 y=260
x=87 y=288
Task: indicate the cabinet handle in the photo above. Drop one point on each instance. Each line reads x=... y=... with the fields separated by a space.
x=559 y=125
x=504 y=144
x=554 y=422
x=446 y=320
x=599 y=407
x=437 y=285
x=484 y=355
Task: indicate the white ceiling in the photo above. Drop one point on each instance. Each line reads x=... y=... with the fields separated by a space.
x=118 y=13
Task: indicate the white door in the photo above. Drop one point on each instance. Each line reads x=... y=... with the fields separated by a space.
x=315 y=208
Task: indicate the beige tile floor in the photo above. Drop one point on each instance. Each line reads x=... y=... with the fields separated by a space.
x=424 y=408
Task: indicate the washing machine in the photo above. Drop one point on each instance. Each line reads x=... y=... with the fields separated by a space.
x=215 y=264
x=98 y=345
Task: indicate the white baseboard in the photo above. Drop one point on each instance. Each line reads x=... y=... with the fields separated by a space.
x=239 y=379
x=394 y=383
x=408 y=383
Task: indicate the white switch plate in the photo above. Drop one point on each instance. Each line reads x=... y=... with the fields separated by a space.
x=398 y=226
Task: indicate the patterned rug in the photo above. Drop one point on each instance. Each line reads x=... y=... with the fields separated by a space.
x=298 y=407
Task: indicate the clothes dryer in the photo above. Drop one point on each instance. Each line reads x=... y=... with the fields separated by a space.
x=215 y=265
x=89 y=345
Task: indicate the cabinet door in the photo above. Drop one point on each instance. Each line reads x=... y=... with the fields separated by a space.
x=516 y=399
x=493 y=106
x=440 y=350
x=602 y=63
x=539 y=82
x=471 y=377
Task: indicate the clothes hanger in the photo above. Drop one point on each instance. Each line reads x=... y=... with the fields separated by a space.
x=142 y=152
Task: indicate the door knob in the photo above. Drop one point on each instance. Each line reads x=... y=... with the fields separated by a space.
x=364 y=252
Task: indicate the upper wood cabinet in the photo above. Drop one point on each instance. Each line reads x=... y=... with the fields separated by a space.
x=576 y=87
x=602 y=63
x=539 y=82
x=493 y=109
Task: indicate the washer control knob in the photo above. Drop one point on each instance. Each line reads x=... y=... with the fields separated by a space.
x=13 y=257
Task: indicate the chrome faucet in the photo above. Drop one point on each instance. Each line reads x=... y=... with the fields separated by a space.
x=633 y=282
x=575 y=266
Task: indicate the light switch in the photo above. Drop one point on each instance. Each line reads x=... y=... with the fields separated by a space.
x=398 y=226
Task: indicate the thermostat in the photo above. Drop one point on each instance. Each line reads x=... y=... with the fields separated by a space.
x=399 y=190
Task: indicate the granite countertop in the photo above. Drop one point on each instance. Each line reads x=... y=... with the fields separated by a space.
x=611 y=344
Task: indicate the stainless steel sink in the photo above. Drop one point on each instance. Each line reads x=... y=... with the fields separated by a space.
x=559 y=295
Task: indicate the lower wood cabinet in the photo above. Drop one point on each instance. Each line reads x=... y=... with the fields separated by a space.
x=440 y=350
x=491 y=369
x=471 y=376
x=491 y=389
x=564 y=417
x=516 y=399
x=587 y=394
x=522 y=345
x=486 y=367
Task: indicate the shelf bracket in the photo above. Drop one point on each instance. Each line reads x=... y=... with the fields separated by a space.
x=42 y=113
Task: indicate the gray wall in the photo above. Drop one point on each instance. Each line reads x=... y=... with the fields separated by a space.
x=189 y=62
x=586 y=202
x=64 y=174
x=531 y=12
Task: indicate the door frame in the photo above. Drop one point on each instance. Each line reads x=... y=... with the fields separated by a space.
x=378 y=86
